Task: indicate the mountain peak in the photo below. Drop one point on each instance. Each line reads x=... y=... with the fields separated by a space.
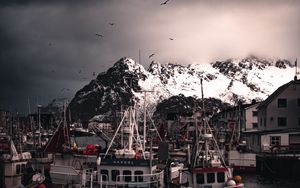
x=154 y=68
x=228 y=80
x=128 y=65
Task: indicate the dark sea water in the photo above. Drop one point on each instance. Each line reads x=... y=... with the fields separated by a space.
x=257 y=181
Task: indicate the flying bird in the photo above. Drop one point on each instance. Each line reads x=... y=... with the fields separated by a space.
x=99 y=35
x=112 y=24
x=151 y=55
x=171 y=38
x=164 y=3
x=79 y=71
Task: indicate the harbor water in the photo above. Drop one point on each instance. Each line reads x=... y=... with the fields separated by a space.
x=257 y=181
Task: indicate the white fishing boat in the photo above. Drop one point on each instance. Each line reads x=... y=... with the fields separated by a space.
x=77 y=130
x=13 y=164
x=242 y=161
x=206 y=164
x=125 y=162
x=130 y=164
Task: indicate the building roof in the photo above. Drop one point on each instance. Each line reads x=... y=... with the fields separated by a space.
x=235 y=108
x=277 y=92
x=252 y=105
x=278 y=131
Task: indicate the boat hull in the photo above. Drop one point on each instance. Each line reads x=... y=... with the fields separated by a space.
x=242 y=162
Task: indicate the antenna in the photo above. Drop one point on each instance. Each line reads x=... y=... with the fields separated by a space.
x=295 y=77
x=140 y=56
x=296 y=66
x=202 y=95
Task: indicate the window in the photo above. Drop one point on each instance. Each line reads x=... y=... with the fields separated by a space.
x=298 y=102
x=275 y=140
x=200 y=178
x=254 y=125
x=210 y=177
x=265 y=122
x=114 y=175
x=18 y=169
x=221 y=177
x=23 y=168
x=282 y=122
x=282 y=103
x=261 y=122
x=254 y=113
x=104 y=175
x=127 y=175
x=138 y=176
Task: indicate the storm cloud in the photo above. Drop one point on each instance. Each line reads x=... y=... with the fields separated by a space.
x=49 y=49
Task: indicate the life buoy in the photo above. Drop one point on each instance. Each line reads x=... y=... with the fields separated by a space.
x=137 y=155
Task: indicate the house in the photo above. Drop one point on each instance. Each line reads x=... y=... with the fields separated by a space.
x=251 y=117
x=242 y=117
x=278 y=120
x=100 y=123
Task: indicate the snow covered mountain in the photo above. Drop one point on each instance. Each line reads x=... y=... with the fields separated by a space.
x=230 y=80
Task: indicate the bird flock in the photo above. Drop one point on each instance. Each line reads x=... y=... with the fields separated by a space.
x=113 y=24
x=100 y=36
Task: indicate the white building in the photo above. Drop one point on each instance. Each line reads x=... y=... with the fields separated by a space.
x=278 y=121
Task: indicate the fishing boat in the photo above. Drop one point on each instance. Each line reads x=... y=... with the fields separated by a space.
x=77 y=130
x=242 y=161
x=240 y=157
x=206 y=166
x=125 y=162
x=130 y=165
x=12 y=163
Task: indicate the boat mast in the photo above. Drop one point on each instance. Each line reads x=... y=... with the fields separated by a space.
x=19 y=133
x=145 y=119
x=39 y=124
x=31 y=122
x=130 y=121
x=130 y=129
x=239 y=121
x=204 y=121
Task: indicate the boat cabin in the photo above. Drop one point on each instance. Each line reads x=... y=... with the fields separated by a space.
x=128 y=172
x=210 y=177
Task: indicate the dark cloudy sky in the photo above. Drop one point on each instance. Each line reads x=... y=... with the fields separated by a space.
x=46 y=46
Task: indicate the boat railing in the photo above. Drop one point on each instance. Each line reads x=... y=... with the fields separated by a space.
x=90 y=178
x=103 y=180
x=64 y=174
x=142 y=180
